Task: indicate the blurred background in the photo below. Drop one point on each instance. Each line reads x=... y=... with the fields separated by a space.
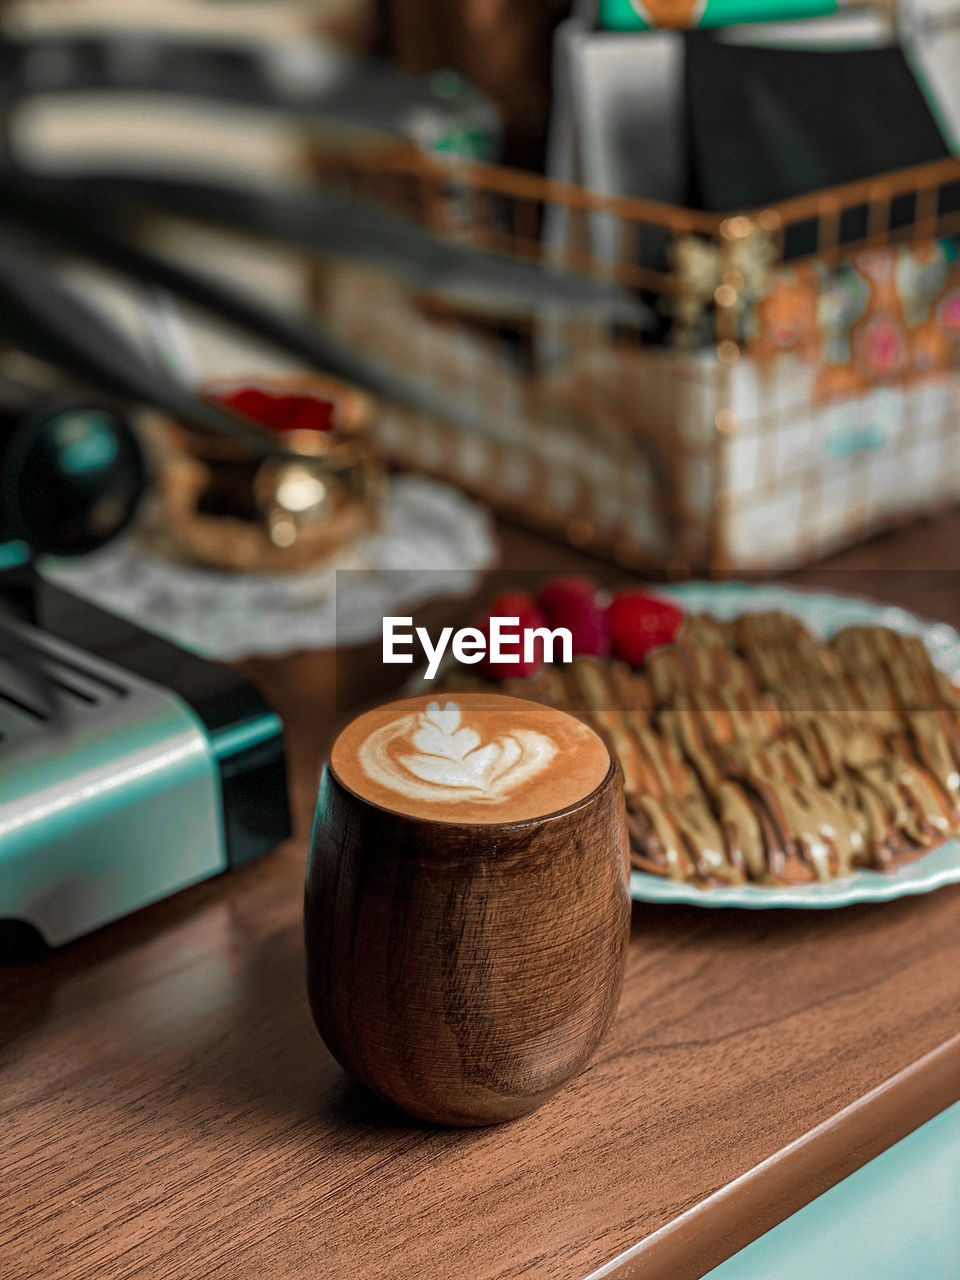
x=674 y=281
x=318 y=311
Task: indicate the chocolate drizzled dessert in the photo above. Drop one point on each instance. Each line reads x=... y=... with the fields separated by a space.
x=754 y=752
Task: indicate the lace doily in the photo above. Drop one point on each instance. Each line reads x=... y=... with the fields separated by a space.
x=434 y=542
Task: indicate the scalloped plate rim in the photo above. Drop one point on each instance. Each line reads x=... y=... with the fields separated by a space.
x=933 y=871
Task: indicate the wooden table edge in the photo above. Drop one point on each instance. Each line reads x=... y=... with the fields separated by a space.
x=705 y=1235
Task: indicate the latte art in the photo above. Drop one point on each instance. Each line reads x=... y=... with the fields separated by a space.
x=439 y=759
x=470 y=758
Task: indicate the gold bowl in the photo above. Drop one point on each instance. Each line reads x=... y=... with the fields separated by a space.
x=221 y=506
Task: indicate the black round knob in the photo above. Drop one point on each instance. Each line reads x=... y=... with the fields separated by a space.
x=72 y=474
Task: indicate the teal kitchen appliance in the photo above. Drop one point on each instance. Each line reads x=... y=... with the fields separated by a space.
x=146 y=769
x=129 y=768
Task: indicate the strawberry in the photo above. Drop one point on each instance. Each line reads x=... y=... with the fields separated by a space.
x=639 y=623
x=572 y=603
x=514 y=604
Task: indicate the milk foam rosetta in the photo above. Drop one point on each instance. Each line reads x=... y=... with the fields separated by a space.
x=431 y=755
x=471 y=758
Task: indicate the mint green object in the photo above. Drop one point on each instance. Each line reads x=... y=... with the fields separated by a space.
x=824 y=614
x=633 y=15
x=473 y=133
x=13 y=554
x=118 y=806
x=844 y=442
x=87 y=441
x=897 y=1218
x=231 y=742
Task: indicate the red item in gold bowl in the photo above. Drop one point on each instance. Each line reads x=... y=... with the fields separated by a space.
x=281 y=411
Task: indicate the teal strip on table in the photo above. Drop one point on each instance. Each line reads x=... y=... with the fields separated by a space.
x=897 y=1218
x=637 y=15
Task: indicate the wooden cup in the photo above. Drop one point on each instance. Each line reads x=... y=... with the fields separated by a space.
x=466 y=971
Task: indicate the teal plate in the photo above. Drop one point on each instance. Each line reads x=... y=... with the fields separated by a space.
x=823 y=614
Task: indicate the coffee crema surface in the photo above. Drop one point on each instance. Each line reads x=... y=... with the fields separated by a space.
x=471 y=758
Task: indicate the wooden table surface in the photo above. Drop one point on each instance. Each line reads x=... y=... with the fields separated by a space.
x=168 y=1110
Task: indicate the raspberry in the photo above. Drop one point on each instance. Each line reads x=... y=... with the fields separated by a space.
x=572 y=603
x=514 y=604
x=640 y=623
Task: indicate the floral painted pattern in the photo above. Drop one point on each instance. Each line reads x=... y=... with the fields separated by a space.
x=888 y=315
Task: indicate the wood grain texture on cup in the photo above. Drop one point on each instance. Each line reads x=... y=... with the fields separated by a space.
x=466 y=971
